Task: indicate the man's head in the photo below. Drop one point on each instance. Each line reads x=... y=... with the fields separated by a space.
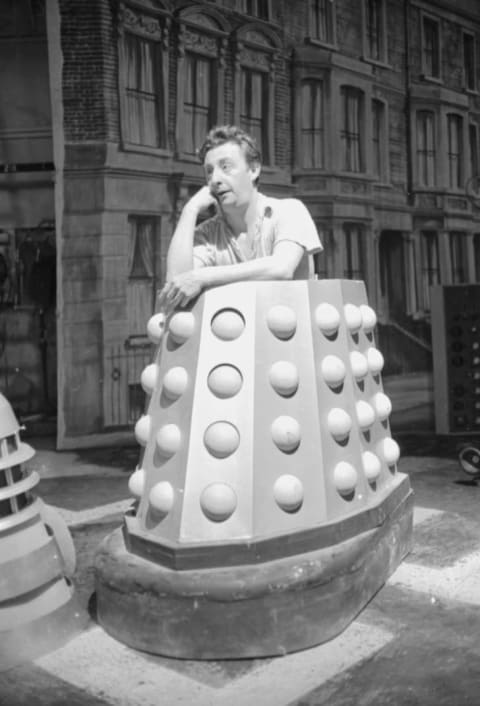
x=232 y=163
x=231 y=133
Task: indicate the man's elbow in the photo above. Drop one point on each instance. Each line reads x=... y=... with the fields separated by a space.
x=282 y=270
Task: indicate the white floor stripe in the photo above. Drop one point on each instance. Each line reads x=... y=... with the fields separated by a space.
x=80 y=517
x=420 y=514
x=123 y=677
x=460 y=582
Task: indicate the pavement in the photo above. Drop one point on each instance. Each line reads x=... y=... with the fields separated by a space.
x=416 y=642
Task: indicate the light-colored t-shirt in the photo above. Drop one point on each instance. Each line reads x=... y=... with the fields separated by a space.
x=278 y=219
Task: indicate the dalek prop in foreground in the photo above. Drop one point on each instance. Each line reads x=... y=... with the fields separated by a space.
x=270 y=507
x=38 y=610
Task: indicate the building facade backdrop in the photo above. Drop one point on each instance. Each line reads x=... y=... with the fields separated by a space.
x=367 y=110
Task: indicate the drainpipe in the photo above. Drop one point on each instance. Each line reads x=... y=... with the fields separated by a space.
x=408 y=134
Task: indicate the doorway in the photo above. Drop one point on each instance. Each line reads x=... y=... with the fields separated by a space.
x=392 y=275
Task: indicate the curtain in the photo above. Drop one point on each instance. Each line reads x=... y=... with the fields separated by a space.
x=252 y=111
x=141 y=270
x=425 y=148
x=351 y=129
x=455 y=149
x=312 y=124
x=141 y=251
x=203 y=100
x=354 y=252
x=430 y=265
x=378 y=113
x=188 y=100
x=197 y=100
x=142 y=113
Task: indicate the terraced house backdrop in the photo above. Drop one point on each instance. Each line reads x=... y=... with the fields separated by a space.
x=367 y=110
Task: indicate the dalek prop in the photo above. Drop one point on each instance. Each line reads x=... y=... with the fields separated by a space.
x=38 y=608
x=270 y=508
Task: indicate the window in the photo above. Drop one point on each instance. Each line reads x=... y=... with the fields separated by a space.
x=476 y=253
x=455 y=152
x=21 y=18
x=324 y=261
x=425 y=148
x=375 y=30
x=142 y=281
x=321 y=20
x=312 y=130
x=351 y=129
x=355 y=258
x=430 y=265
x=473 y=140
x=253 y=107
x=257 y=8
x=457 y=258
x=198 y=100
x=142 y=79
x=142 y=119
x=469 y=68
x=256 y=49
x=431 y=47
x=202 y=38
x=379 y=141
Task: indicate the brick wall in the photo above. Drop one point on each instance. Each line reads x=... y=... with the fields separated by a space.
x=89 y=70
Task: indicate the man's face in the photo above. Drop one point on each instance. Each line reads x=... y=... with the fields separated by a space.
x=229 y=176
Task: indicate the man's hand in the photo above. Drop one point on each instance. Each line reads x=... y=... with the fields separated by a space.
x=181 y=290
x=201 y=200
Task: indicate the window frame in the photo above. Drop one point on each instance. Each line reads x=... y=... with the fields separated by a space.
x=203 y=32
x=254 y=12
x=428 y=154
x=151 y=25
x=346 y=135
x=191 y=118
x=436 y=51
x=430 y=272
x=381 y=33
x=456 y=183
x=474 y=148
x=315 y=8
x=474 y=76
x=383 y=142
x=317 y=85
x=327 y=255
x=256 y=48
x=246 y=116
x=476 y=255
x=354 y=259
x=135 y=221
x=457 y=245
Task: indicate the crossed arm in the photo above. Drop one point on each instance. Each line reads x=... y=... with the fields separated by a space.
x=185 y=281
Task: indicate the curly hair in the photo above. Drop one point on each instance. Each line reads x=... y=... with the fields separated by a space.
x=221 y=134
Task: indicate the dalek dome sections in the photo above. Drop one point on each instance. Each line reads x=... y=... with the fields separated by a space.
x=13 y=450
x=266 y=416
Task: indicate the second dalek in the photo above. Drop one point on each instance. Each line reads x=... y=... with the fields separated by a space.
x=38 y=607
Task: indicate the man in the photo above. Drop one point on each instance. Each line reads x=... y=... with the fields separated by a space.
x=251 y=236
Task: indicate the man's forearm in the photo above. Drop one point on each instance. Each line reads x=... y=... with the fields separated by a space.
x=263 y=268
x=180 y=251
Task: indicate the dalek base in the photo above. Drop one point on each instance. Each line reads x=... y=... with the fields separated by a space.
x=246 y=611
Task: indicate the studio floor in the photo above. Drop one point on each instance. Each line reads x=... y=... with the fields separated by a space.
x=416 y=642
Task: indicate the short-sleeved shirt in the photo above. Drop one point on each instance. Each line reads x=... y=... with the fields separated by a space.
x=278 y=220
